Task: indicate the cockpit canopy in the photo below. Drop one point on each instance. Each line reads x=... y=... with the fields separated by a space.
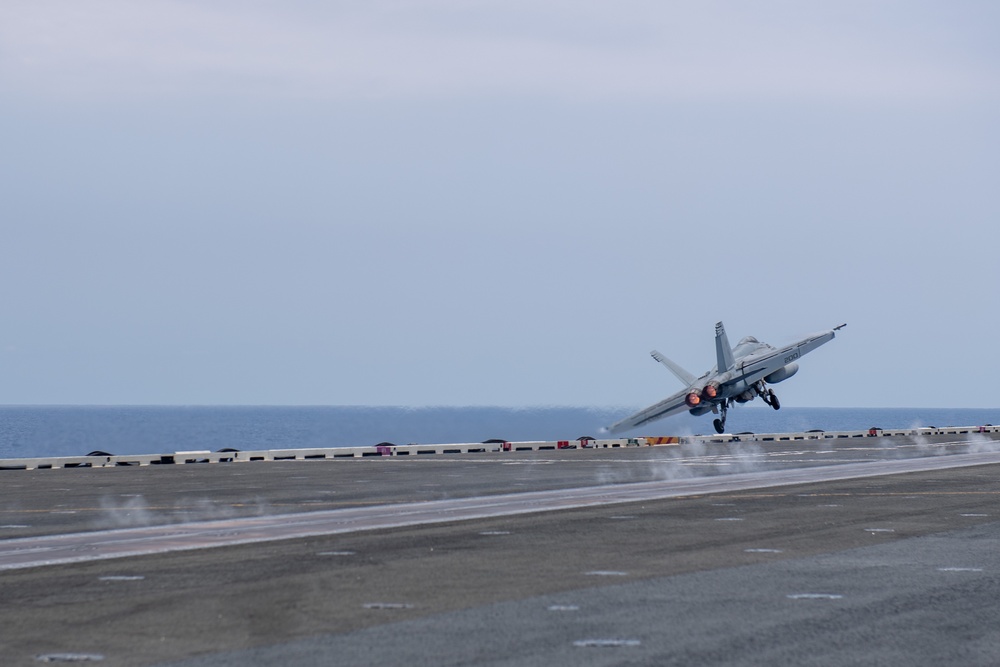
x=748 y=345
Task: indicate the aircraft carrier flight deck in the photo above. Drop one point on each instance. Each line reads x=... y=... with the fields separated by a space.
x=863 y=550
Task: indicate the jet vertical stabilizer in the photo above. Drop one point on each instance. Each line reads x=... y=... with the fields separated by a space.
x=723 y=352
x=681 y=374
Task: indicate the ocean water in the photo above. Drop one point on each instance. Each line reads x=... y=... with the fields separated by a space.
x=30 y=431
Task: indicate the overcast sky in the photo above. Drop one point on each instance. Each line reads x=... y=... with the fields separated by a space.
x=495 y=203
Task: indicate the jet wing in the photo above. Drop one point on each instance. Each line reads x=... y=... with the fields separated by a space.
x=757 y=364
x=669 y=406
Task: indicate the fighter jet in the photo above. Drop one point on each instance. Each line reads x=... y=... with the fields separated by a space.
x=741 y=374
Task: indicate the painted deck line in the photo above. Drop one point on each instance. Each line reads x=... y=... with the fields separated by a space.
x=100 y=545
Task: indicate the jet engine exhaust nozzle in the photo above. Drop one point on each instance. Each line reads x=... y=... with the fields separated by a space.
x=693 y=400
x=711 y=390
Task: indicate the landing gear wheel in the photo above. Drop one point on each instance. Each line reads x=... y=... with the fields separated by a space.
x=720 y=426
x=774 y=403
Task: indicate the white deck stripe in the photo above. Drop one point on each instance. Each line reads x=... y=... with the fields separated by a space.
x=99 y=545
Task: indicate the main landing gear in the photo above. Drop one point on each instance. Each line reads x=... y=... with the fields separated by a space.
x=720 y=424
x=771 y=399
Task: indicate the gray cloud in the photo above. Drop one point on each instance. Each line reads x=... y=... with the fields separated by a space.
x=387 y=49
